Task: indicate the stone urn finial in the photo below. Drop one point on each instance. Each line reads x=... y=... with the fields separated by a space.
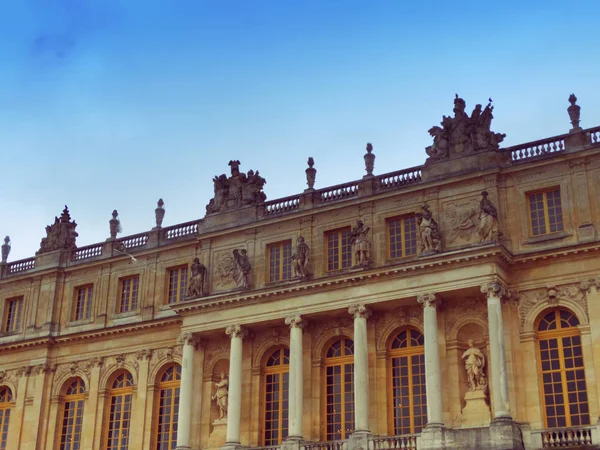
x=311 y=174
x=159 y=213
x=5 y=249
x=369 y=160
x=115 y=225
x=574 y=111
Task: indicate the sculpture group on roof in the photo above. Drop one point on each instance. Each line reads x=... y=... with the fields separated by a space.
x=60 y=235
x=238 y=190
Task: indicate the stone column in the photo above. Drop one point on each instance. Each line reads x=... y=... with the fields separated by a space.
x=234 y=400
x=495 y=291
x=295 y=389
x=433 y=383
x=185 y=391
x=361 y=368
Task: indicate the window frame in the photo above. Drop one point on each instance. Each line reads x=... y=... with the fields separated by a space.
x=131 y=310
x=545 y=191
x=172 y=385
x=339 y=260
x=15 y=324
x=180 y=295
x=402 y=218
x=111 y=393
x=88 y=308
x=5 y=409
x=71 y=398
x=280 y=369
x=281 y=245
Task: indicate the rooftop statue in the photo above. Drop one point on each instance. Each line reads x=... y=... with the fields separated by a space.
x=238 y=190
x=464 y=134
x=60 y=235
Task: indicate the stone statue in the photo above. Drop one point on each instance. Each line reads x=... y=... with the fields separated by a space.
x=574 y=111
x=311 y=174
x=301 y=258
x=221 y=395
x=5 y=249
x=237 y=191
x=369 y=160
x=464 y=134
x=61 y=235
x=241 y=273
x=429 y=232
x=474 y=364
x=115 y=225
x=361 y=247
x=197 y=283
x=488 y=220
x=159 y=213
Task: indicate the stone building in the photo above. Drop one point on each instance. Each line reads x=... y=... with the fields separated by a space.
x=450 y=305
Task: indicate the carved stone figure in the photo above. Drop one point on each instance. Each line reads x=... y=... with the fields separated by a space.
x=474 y=364
x=237 y=191
x=361 y=246
x=115 y=225
x=301 y=258
x=574 y=111
x=311 y=174
x=159 y=213
x=197 y=283
x=5 y=249
x=488 y=220
x=429 y=232
x=241 y=274
x=464 y=134
x=369 y=160
x=61 y=235
x=221 y=394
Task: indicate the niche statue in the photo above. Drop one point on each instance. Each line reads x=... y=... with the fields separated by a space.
x=197 y=283
x=474 y=364
x=221 y=395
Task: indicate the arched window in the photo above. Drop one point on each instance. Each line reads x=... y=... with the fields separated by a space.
x=5 y=401
x=72 y=415
x=561 y=368
x=165 y=424
x=339 y=390
x=119 y=412
x=276 y=379
x=408 y=400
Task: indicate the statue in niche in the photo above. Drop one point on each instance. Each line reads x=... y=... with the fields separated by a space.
x=429 y=232
x=361 y=247
x=236 y=191
x=464 y=134
x=474 y=364
x=300 y=258
x=488 y=220
x=196 y=285
x=241 y=272
x=221 y=395
x=60 y=235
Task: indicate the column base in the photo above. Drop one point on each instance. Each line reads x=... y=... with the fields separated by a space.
x=359 y=440
x=232 y=446
x=505 y=434
x=501 y=434
x=291 y=443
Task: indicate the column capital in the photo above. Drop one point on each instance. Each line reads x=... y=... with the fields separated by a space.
x=236 y=331
x=429 y=300
x=495 y=288
x=295 y=321
x=359 y=310
x=188 y=338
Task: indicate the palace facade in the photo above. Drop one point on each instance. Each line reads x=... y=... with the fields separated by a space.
x=450 y=305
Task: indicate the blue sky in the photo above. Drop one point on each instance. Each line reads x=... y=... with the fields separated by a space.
x=110 y=104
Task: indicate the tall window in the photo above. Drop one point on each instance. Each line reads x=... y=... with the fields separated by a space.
x=402 y=235
x=339 y=249
x=129 y=294
x=82 y=307
x=280 y=261
x=5 y=401
x=12 y=314
x=72 y=416
x=408 y=400
x=276 y=397
x=561 y=368
x=177 y=284
x=545 y=212
x=119 y=412
x=168 y=408
x=339 y=390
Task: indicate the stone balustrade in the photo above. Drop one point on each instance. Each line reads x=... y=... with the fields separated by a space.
x=565 y=437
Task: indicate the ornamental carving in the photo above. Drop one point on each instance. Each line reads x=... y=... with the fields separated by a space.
x=468 y=308
x=488 y=220
x=266 y=339
x=300 y=259
x=221 y=395
x=359 y=310
x=161 y=356
x=461 y=220
x=188 y=338
x=197 y=283
x=400 y=317
x=44 y=368
x=60 y=235
x=428 y=300
x=495 y=288
x=294 y=321
x=336 y=324
x=214 y=353
x=361 y=245
x=236 y=191
x=234 y=271
x=236 y=331
x=143 y=355
x=430 y=237
x=474 y=365
x=462 y=134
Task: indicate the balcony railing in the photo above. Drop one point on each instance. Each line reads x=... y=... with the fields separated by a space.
x=338 y=192
x=594 y=135
x=537 y=148
x=565 y=437
x=181 y=230
x=21 y=265
x=408 y=442
x=133 y=241
x=89 y=251
x=328 y=445
x=282 y=205
x=399 y=178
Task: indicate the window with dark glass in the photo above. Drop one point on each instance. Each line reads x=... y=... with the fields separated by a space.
x=402 y=236
x=128 y=300
x=280 y=261
x=339 y=249
x=339 y=390
x=276 y=382
x=545 y=212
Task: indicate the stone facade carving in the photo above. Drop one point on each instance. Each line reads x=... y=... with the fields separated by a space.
x=470 y=307
x=474 y=365
x=159 y=213
x=361 y=245
x=301 y=258
x=221 y=395
x=236 y=331
x=144 y=354
x=61 y=235
x=234 y=270
x=461 y=222
x=574 y=112
x=428 y=300
x=295 y=321
x=311 y=174
x=44 y=368
x=115 y=225
x=197 y=283
x=369 y=160
x=399 y=317
x=429 y=232
x=188 y=338
x=237 y=191
x=214 y=353
x=162 y=355
x=462 y=134
x=488 y=220
x=5 y=249
x=359 y=310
